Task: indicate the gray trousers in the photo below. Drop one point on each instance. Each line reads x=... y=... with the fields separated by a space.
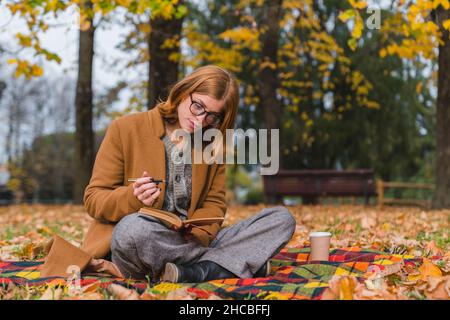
x=141 y=245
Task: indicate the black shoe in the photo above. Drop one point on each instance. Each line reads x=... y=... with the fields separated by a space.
x=264 y=271
x=198 y=272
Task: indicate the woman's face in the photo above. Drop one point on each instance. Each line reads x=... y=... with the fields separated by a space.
x=187 y=120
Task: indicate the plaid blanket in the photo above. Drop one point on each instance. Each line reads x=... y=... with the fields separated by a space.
x=292 y=275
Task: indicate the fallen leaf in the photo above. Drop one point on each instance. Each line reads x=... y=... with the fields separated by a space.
x=43 y=248
x=376 y=272
x=434 y=249
x=9 y=292
x=52 y=294
x=91 y=287
x=45 y=230
x=340 y=288
x=328 y=294
x=347 y=287
x=307 y=218
x=179 y=294
x=428 y=269
x=26 y=252
x=123 y=293
x=86 y=296
x=368 y=222
x=438 y=288
x=148 y=296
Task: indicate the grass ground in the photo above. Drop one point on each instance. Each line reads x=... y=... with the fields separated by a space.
x=395 y=229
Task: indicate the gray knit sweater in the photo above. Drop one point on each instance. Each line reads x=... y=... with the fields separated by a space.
x=177 y=197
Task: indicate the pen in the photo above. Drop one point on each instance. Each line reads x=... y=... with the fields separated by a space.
x=153 y=180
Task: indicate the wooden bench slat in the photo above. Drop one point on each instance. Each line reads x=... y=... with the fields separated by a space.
x=320 y=183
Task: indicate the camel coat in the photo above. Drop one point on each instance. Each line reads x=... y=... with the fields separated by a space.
x=132 y=145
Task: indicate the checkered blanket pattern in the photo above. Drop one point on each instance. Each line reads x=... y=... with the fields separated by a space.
x=292 y=275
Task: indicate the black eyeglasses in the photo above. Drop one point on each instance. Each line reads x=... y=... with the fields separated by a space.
x=212 y=118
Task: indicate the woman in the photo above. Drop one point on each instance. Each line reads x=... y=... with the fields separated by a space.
x=143 y=145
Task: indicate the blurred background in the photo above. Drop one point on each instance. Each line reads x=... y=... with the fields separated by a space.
x=350 y=84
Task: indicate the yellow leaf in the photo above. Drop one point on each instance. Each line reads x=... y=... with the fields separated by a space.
x=46 y=230
x=352 y=43
x=357 y=30
x=419 y=87
x=444 y=3
x=428 y=269
x=346 y=15
x=268 y=64
x=24 y=40
x=11 y=61
x=386 y=226
x=124 y=3
x=361 y=5
x=446 y=24
x=51 y=5
x=144 y=27
x=36 y=71
x=347 y=287
x=85 y=25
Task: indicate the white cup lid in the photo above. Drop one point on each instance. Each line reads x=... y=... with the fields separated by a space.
x=320 y=234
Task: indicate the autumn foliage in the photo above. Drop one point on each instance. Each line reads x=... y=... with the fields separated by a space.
x=403 y=231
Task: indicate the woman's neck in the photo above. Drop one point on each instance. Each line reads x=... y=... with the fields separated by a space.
x=170 y=129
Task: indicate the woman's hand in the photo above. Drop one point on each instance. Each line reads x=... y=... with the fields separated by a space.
x=145 y=190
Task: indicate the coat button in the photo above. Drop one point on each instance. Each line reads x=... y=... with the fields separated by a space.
x=177 y=178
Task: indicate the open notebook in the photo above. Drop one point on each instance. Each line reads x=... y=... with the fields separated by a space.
x=171 y=219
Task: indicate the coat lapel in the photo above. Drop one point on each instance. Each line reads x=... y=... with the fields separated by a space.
x=156 y=151
x=158 y=156
x=199 y=173
x=199 y=176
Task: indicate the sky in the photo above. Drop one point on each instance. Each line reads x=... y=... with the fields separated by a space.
x=62 y=38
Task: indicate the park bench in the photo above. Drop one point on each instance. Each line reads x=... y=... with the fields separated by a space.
x=312 y=184
x=382 y=186
x=6 y=196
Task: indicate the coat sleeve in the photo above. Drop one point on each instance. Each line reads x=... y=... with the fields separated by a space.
x=213 y=206
x=105 y=197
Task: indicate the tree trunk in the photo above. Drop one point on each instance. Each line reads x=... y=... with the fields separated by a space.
x=269 y=26
x=84 y=135
x=163 y=71
x=442 y=195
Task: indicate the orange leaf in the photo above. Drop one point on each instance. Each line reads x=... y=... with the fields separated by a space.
x=148 y=296
x=347 y=287
x=429 y=269
x=123 y=293
x=341 y=287
x=91 y=287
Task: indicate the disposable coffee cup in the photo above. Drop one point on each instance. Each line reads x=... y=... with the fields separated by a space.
x=320 y=245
